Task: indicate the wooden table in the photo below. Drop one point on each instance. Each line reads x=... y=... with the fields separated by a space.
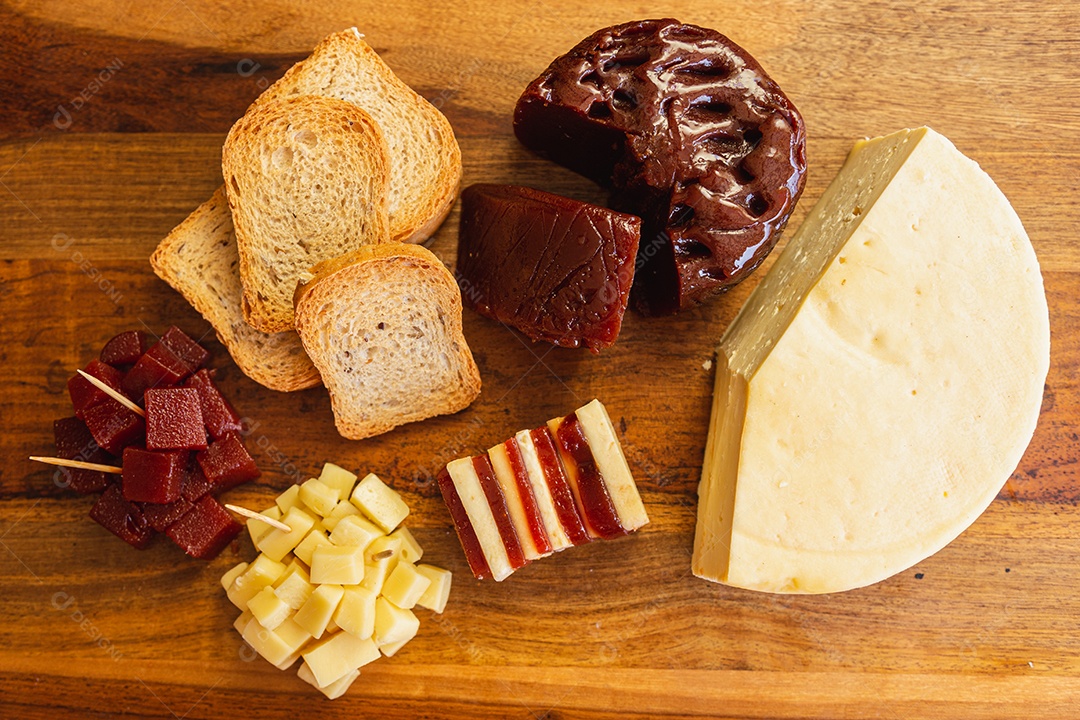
x=113 y=115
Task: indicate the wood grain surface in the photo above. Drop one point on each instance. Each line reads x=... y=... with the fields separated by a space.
x=112 y=116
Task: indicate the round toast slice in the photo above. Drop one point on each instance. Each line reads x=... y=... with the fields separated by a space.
x=383 y=326
x=425 y=159
x=306 y=179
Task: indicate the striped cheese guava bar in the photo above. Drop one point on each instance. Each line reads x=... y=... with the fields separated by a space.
x=562 y=484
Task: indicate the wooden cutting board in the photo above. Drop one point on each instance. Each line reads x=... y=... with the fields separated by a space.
x=112 y=116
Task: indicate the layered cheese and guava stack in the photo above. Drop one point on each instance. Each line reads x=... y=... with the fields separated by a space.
x=881 y=383
x=543 y=490
x=339 y=588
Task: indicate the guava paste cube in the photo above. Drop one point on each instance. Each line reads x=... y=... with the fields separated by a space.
x=125 y=348
x=153 y=476
x=84 y=394
x=74 y=442
x=121 y=518
x=205 y=530
x=113 y=426
x=190 y=352
x=174 y=420
x=157 y=368
x=218 y=414
x=195 y=483
x=161 y=517
x=226 y=463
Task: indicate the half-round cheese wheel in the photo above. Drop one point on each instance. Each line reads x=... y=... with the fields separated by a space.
x=881 y=383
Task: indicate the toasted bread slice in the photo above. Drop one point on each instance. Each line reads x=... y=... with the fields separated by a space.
x=383 y=325
x=306 y=179
x=199 y=260
x=425 y=160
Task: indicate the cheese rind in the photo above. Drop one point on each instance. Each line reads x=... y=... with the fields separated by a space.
x=891 y=365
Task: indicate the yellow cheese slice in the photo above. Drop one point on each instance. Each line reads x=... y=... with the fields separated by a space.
x=881 y=383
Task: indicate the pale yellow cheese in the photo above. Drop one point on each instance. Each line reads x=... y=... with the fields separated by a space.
x=261 y=572
x=474 y=501
x=607 y=453
x=338 y=478
x=410 y=549
x=256 y=528
x=295 y=589
x=343 y=509
x=379 y=502
x=315 y=614
x=335 y=689
x=320 y=498
x=269 y=609
x=337 y=656
x=279 y=647
x=277 y=543
x=235 y=572
x=405 y=585
x=355 y=613
x=380 y=558
x=337 y=564
x=882 y=381
x=393 y=624
x=289 y=498
x=438 y=592
x=356 y=531
x=542 y=492
x=313 y=540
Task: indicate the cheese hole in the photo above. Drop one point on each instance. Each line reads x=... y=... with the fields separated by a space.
x=842 y=260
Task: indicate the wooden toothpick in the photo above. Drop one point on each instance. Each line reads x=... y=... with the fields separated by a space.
x=259 y=516
x=113 y=394
x=79 y=464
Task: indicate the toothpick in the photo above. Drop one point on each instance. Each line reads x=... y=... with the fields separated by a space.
x=79 y=464
x=113 y=394
x=259 y=516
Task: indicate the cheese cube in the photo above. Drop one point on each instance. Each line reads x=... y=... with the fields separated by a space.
x=404 y=586
x=338 y=478
x=306 y=548
x=277 y=543
x=393 y=624
x=320 y=498
x=340 y=565
x=288 y=499
x=339 y=655
x=261 y=572
x=341 y=510
x=314 y=615
x=279 y=647
x=389 y=649
x=268 y=608
x=437 y=593
x=294 y=590
x=381 y=557
x=241 y=622
x=355 y=531
x=379 y=502
x=293 y=567
x=228 y=577
x=256 y=529
x=332 y=691
x=410 y=549
x=356 y=612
